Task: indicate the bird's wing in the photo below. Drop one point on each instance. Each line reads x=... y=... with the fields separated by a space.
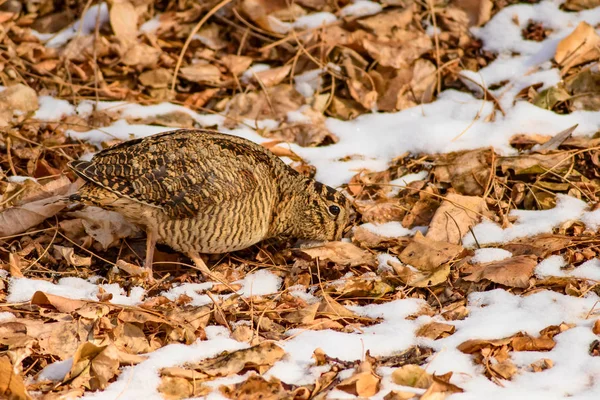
x=181 y=172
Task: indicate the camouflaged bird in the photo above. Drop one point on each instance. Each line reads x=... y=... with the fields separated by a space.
x=202 y=191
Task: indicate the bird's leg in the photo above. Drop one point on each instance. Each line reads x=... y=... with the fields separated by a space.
x=201 y=265
x=150 y=246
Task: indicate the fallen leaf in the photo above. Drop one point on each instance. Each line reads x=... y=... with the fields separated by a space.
x=475 y=345
x=61 y=304
x=542 y=365
x=333 y=310
x=582 y=45
x=256 y=387
x=428 y=254
x=130 y=268
x=479 y=11
x=12 y=386
x=412 y=376
x=130 y=338
x=455 y=216
x=106 y=227
x=140 y=55
x=417 y=278
x=68 y=254
x=156 y=78
x=385 y=23
x=202 y=72
x=440 y=388
x=236 y=64
x=512 y=272
x=123 y=20
x=596 y=327
x=435 y=330
x=260 y=357
x=19 y=97
x=468 y=172
x=341 y=253
x=175 y=388
x=506 y=369
x=528 y=343
x=272 y=76
x=401 y=51
x=93 y=366
x=364 y=383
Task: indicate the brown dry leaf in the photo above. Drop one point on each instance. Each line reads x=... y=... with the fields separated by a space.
x=273 y=76
x=475 y=345
x=401 y=51
x=175 y=388
x=130 y=268
x=423 y=81
x=468 y=172
x=19 y=97
x=364 y=383
x=540 y=246
x=341 y=253
x=454 y=217
x=416 y=278
x=130 y=338
x=421 y=213
x=596 y=327
x=360 y=287
x=506 y=369
x=259 y=11
x=202 y=72
x=254 y=105
x=386 y=23
x=257 y=388
x=61 y=304
x=412 y=376
x=68 y=254
x=428 y=254
x=578 y=5
x=141 y=55
x=304 y=315
x=106 y=227
x=211 y=36
x=236 y=64
x=542 y=365
x=12 y=386
x=19 y=218
x=440 y=388
x=479 y=11
x=260 y=357
x=123 y=20
x=60 y=339
x=363 y=93
x=435 y=330
x=371 y=240
x=93 y=366
x=512 y=272
x=312 y=132
x=331 y=309
x=528 y=343
x=399 y=395
x=581 y=46
x=156 y=78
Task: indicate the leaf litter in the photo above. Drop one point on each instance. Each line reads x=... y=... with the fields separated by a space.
x=483 y=248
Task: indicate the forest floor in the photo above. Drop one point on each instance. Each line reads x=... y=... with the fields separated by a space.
x=465 y=132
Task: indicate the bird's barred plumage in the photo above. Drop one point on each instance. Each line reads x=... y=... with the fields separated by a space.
x=208 y=192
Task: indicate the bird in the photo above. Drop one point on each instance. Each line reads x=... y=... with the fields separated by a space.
x=201 y=191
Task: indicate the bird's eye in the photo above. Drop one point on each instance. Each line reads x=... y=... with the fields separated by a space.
x=334 y=210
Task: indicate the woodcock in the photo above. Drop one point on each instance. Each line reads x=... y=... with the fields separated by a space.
x=202 y=191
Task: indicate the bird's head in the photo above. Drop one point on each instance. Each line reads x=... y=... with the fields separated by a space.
x=313 y=211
